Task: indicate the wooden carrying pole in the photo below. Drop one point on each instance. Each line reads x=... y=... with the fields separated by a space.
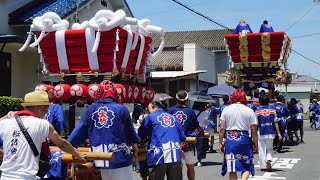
x=89 y=156
x=86 y=149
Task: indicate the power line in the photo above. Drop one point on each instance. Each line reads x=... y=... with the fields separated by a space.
x=165 y=11
x=204 y=16
x=308 y=35
x=306 y=57
x=303 y=16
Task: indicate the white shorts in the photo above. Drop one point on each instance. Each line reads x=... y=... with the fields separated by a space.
x=210 y=131
x=190 y=158
x=124 y=173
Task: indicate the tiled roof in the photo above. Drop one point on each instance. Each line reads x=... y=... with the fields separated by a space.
x=306 y=81
x=168 y=60
x=174 y=74
x=26 y=13
x=209 y=39
x=171 y=57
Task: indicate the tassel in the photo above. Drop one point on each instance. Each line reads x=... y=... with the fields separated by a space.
x=115 y=70
x=25 y=45
x=117 y=40
x=114 y=59
x=136 y=38
x=36 y=42
x=96 y=42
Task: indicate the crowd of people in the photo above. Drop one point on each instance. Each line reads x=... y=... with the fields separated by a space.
x=246 y=126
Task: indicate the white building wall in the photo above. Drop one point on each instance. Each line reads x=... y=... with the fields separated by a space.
x=221 y=61
x=197 y=58
x=24 y=70
x=301 y=93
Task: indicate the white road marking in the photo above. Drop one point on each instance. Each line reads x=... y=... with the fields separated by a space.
x=267 y=175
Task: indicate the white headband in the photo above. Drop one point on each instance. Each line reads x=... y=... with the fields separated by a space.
x=186 y=98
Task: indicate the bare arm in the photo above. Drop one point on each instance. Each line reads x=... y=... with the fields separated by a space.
x=254 y=135
x=4 y=117
x=9 y=115
x=276 y=124
x=63 y=144
x=222 y=132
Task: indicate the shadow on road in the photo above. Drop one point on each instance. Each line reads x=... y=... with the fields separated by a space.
x=209 y=163
x=291 y=143
x=273 y=170
x=284 y=151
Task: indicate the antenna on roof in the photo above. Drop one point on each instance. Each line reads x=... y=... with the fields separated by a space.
x=76 y=17
x=104 y=3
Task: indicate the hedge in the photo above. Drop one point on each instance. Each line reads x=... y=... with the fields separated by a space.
x=9 y=104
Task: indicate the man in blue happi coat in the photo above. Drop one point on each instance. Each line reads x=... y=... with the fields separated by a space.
x=296 y=113
x=55 y=116
x=316 y=119
x=265 y=27
x=312 y=113
x=250 y=103
x=212 y=113
x=267 y=127
x=226 y=102
x=190 y=124
x=242 y=28
x=109 y=128
x=165 y=136
x=282 y=115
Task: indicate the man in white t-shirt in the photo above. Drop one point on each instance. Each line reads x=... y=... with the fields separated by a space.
x=19 y=161
x=236 y=120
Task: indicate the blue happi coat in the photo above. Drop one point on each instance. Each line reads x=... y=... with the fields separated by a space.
x=238 y=155
x=282 y=113
x=55 y=115
x=242 y=28
x=266 y=116
x=58 y=168
x=187 y=118
x=265 y=28
x=164 y=133
x=252 y=106
x=109 y=128
x=212 y=116
x=313 y=110
x=296 y=111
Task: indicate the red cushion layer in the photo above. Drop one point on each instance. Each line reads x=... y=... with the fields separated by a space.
x=255 y=59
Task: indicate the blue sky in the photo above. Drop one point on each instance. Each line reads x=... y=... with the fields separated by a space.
x=280 y=14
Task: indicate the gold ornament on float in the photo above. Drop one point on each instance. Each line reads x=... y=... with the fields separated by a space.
x=243 y=47
x=265 y=46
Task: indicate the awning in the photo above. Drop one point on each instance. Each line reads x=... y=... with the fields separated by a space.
x=175 y=74
x=32 y=9
x=8 y=38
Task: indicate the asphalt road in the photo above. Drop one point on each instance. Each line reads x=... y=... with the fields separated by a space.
x=296 y=162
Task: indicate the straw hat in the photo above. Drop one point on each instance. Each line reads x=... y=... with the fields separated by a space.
x=36 y=98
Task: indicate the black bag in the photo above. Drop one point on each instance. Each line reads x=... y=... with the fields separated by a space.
x=44 y=161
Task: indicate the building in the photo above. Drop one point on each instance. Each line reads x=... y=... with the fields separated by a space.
x=301 y=88
x=305 y=81
x=20 y=72
x=190 y=60
x=300 y=93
